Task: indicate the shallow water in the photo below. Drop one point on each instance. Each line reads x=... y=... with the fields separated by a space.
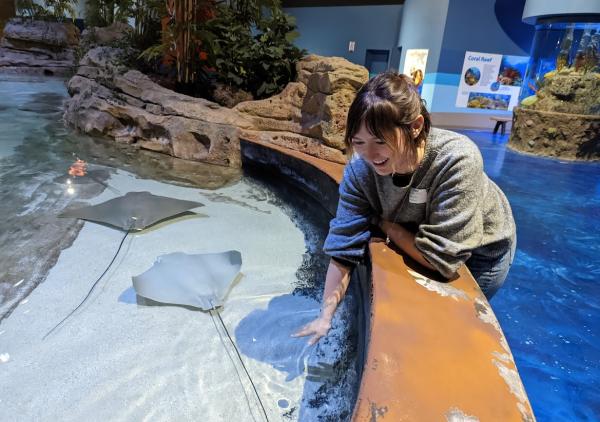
x=549 y=307
x=122 y=358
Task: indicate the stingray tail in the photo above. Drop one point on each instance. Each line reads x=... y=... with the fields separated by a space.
x=92 y=288
x=213 y=312
x=106 y=185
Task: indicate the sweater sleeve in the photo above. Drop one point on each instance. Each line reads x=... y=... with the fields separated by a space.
x=349 y=230
x=455 y=222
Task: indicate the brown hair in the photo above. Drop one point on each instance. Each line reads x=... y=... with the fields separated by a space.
x=386 y=102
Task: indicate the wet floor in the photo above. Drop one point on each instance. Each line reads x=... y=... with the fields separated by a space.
x=549 y=307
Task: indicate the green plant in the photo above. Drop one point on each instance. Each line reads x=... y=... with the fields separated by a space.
x=263 y=63
x=275 y=54
x=60 y=8
x=182 y=39
x=147 y=15
x=247 y=44
x=56 y=9
x=29 y=9
x=107 y=12
x=231 y=48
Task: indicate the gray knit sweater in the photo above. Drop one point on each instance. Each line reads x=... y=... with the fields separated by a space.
x=450 y=203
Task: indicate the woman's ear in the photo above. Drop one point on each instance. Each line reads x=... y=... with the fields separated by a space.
x=417 y=125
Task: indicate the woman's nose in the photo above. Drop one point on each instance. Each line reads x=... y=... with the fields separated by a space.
x=370 y=152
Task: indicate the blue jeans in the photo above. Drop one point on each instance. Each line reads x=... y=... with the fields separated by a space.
x=490 y=273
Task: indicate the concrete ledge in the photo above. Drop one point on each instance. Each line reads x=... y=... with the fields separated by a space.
x=433 y=350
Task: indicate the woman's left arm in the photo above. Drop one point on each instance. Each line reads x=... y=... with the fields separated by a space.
x=405 y=240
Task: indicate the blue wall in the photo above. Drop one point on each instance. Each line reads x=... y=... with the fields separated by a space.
x=475 y=26
x=328 y=30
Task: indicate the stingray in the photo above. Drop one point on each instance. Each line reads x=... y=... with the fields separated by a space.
x=201 y=281
x=133 y=211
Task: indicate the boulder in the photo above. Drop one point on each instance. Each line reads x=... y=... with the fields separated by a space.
x=38 y=47
x=58 y=35
x=315 y=105
x=130 y=108
x=103 y=62
x=305 y=144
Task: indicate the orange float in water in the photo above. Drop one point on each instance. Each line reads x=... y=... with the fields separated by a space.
x=78 y=168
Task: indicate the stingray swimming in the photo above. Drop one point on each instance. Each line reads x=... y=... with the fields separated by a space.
x=201 y=281
x=133 y=211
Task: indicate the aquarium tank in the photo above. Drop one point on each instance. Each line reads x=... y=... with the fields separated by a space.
x=563 y=74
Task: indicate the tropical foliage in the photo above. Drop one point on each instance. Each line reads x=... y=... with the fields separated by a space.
x=146 y=14
x=54 y=9
x=107 y=12
x=247 y=44
x=244 y=44
x=259 y=56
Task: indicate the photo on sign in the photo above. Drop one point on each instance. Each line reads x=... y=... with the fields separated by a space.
x=488 y=101
x=512 y=70
x=472 y=76
x=414 y=65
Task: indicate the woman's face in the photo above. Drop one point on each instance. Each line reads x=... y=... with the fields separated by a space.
x=375 y=151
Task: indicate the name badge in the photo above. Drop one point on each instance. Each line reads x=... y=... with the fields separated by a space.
x=417 y=196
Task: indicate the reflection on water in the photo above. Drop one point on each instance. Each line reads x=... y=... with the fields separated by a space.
x=264 y=335
x=549 y=307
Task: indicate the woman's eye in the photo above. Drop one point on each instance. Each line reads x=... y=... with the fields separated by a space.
x=379 y=142
x=357 y=143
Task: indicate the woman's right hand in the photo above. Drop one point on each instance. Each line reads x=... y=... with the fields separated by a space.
x=317 y=328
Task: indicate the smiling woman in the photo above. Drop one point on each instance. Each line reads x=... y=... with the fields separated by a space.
x=426 y=190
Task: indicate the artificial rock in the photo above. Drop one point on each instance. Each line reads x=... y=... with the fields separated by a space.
x=38 y=47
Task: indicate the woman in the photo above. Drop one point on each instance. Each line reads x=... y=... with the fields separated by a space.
x=426 y=189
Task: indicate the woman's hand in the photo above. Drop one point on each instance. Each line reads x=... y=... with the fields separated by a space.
x=336 y=282
x=404 y=240
x=317 y=328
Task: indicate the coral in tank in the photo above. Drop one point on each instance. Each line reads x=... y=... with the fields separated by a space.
x=559 y=111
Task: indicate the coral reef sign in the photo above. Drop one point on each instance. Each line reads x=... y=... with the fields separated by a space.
x=491 y=81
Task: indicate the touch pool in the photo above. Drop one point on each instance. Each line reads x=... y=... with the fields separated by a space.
x=119 y=357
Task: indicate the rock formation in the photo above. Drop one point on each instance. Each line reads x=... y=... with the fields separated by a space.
x=130 y=108
x=308 y=116
x=38 y=47
x=118 y=32
x=553 y=134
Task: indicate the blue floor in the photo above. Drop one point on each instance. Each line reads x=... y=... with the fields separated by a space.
x=549 y=306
